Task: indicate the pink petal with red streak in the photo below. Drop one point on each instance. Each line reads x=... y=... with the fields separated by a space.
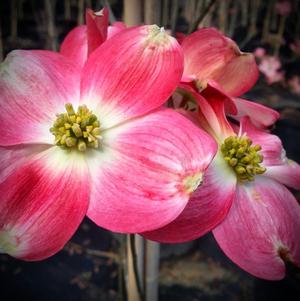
x=123 y=78
x=214 y=90
x=12 y=157
x=239 y=75
x=34 y=86
x=138 y=175
x=42 y=203
x=211 y=110
x=209 y=55
x=287 y=173
x=271 y=145
x=96 y=24
x=262 y=228
x=207 y=207
x=260 y=115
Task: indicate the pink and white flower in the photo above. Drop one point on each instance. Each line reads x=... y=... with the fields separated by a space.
x=120 y=158
x=254 y=218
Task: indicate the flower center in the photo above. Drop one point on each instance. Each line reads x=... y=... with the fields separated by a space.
x=79 y=129
x=242 y=157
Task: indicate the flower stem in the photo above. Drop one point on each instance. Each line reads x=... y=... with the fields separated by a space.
x=151 y=270
x=135 y=264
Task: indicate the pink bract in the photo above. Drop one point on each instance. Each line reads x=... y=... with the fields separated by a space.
x=145 y=169
x=209 y=55
x=84 y=39
x=255 y=223
x=214 y=62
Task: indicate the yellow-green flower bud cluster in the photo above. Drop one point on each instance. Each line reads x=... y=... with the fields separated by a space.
x=79 y=129
x=244 y=158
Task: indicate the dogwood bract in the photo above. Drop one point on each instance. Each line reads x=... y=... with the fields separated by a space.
x=213 y=63
x=82 y=40
x=94 y=140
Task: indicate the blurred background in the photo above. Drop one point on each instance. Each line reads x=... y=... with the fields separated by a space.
x=88 y=268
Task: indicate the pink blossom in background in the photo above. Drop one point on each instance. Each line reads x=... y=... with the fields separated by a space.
x=283 y=7
x=270 y=67
x=260 y=52
x=254 y=218
x=294 y=84
x=94 y=140
x=295 y=47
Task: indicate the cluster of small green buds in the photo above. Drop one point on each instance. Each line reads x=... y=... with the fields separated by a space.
x=79 y=129
x=242 y=157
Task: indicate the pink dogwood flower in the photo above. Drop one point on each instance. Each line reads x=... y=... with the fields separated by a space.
x=254 y=218
x=94 y=141
x=270 y=67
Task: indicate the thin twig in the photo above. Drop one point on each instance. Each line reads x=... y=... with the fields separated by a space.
x=135 y=267
x=99 y=253
x=152 y=251
x=93 y=252
x=202 y=16
x=80 y=12
x=122 y=293
x=223 y=16
x=13 y=20
x=112 y=17
x=174 y=13
x=152 y=12
x=165 y=13
x=52 y=37
x=233 y=19
x=266 y=23
x=67 y=7
x=132 y=12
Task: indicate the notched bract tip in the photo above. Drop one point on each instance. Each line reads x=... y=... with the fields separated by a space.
x=157 y=36
x=7 y=243
x=99 y=13
x=192 y=182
